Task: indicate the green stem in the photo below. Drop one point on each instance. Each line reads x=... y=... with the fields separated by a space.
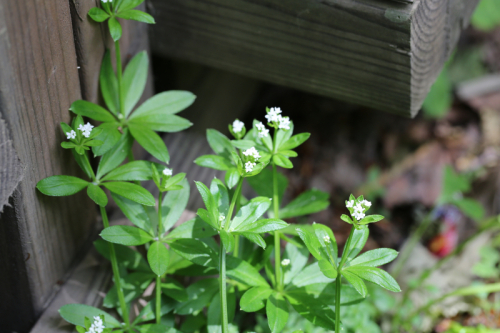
x=338 y=282
x=116 y=274
x=277 y=243
x=222 y=261
x=119 y=71
x=158 y=278
x=236 y=251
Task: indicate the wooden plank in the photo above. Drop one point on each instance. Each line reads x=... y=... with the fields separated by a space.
x=39 y=79
x=381 y=54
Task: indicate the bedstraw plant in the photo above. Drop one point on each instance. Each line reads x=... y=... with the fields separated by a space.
x=235 y=238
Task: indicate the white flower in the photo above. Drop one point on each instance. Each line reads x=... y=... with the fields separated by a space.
x=167 y=172
x=285 y=262
x=71 y=135
x=238 y=126
x=86 y=129
x=366 y=203
x=106 y=1
x=97 y=326
x=252 y=152
x=326 y=239
x=249 y=166
x=358 y=215
x=350 y=204
x=263 y=131
x=284 y=122
x=221 y=217
x=359 y=208
x=273 y=114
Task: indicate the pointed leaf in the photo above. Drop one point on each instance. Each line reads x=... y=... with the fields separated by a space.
x=76 y=313
x=220 y=144
x=173 y=206
x=158 y=258
x=327 y=268
x=232 y=177
x=115 y=29
x=249 y=213
x=375 y=258
x=115 y=156
x=126 y=235
x=135 y=212
x=134 y=80
x=109 y=136
x=262 y=226
x=132 y=171
x=277 y=312
x=132 y=192
x=58 y=186
x=375 y=275
x=98 y=15
x=109 y=84
x=150 y=141
x=356 y=282
x=214 y=162
x=358 y=241
x=255 y=298
x=228 y=240
x=295 y=141
x=97 y=195
x=91 y=110
x=282 y=161
x=136 y=15
x=127 y=257
x=309 y=202
x=195 y=251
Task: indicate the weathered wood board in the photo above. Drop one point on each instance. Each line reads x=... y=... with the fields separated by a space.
x=44 y=67
x=376 y=53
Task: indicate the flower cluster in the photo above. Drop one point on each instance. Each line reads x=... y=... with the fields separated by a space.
x=252 y=152
x=238 y=126
x=167 y=172
x=71 y=135
x=97 y=326
x=276 y=119
x=263 y=131
x=285 y=262
x=249 y=166
x=358 y=209
x=86 y=129
x=253 y=155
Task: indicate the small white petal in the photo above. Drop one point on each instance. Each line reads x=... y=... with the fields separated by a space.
x=167 y=172
x=285 y=262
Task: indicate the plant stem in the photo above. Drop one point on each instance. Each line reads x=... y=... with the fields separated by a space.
x=338 y=282
x=119 y=71
x=236 y=250
x=277 y=243
x=116 y=273
x=158 y=278
x=222 y=261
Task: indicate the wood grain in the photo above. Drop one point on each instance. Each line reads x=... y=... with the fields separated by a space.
x=358 y=51
x=39 y=79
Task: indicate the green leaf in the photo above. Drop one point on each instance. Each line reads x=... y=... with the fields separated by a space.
x=220 y=144
x=132 y=192
x=97 y=194
x=109 y=84
x=375 y=258
x=172 y=288
x=486 y=16
x=243 y=144
x=132 y=171
x=371 y=219
x=115 y=29
x=325 y=293
x=375 y=275
x=309 y=238
x=214 y=162
x=195 y=251
x=298 y=260
x=277 y=312
x=262 y=226
x=91 y=110
x=328 y=242
x=210 y=203
x=358 y=241
x=312 y=309
x=173 y=206
x=255 y=238
x=260 y=183
x=109 y=136
x=160 y=123
x=346 y=218
x=200 y=293
x=220 y=194
x=254 y=298
x=136 y=213
x=156 y=328
x=127 y=257
x=309 y=202
x=310 y=275
x=115 y=156
x=244 y=273
x=149 y=311
x=136 y=15
x=249 y=213
x=58 y=186
x=327 y=268
x=98 y=15
x=471 y=208
x=193 y=323
x=158 y=257
x=232 y=177
x=76 y=313
x=122 y=5
x=295 y=141
x=282 y=161
x=194 y=228
x=356 y=282
x=150 y=141
x=134 y=80
x=227 y=239
x=126 y=235
x=93 y=143
x=164 y=104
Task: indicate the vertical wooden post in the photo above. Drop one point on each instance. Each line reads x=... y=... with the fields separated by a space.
x=50 y=55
